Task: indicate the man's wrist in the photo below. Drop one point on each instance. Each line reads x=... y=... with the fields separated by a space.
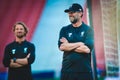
x=14 y=60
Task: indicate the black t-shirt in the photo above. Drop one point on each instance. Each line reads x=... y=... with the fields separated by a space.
x=19 y=50
x=73 y=61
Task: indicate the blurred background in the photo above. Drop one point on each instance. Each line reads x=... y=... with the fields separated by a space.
x=45 y=18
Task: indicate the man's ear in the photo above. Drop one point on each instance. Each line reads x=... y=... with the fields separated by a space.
x=81 y=14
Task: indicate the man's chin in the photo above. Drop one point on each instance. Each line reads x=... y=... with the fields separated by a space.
x=20 y=36
x=73 y=22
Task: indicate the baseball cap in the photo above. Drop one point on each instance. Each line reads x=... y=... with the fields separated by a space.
x=74 y=8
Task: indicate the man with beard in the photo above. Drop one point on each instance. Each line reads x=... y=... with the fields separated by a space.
x=76 y=41
x=19 y=55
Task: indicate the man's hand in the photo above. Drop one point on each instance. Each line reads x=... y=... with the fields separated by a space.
x=83 y=48
x=14 y=65
x=66 y=46
x=23 y=61
x=20 y=61
x=79 y=47
x=63 y=40
x=28 y=55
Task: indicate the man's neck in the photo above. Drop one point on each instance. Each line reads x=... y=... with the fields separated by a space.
x=19 y=40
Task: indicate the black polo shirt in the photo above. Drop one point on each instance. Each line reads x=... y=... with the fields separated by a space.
x=19 y=50
x=73 y=61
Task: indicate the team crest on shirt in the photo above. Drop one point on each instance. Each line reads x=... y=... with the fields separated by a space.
x=13 y=51
x=25 y=50
x=82 y=34
x=69 y=34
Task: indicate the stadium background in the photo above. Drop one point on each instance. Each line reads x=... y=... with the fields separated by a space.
x=45 y=18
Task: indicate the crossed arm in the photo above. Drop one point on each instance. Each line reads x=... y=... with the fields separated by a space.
x=19 y=62
x=77 y=47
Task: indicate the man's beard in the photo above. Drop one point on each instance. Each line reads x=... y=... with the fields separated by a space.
x=73 y=20
x=21 y=36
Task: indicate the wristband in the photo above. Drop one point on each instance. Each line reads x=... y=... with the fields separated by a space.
x=14 y=60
